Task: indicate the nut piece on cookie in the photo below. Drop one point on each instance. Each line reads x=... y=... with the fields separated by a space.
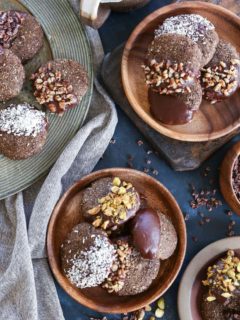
x=60 y=85
x=20 y=32
x=23 y=131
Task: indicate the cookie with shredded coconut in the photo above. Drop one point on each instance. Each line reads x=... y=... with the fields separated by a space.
x=199 y=29
x=87 y=256
x=23 y=131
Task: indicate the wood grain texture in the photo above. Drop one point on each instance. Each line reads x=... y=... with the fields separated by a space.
x=211 y=122
x=226 y=178
x=67 y=214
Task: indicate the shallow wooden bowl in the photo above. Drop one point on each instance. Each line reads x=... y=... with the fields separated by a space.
x=66 y=215
x=211 y=121
x=226 y=178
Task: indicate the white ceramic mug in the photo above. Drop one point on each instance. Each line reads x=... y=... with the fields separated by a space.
x=89 y=8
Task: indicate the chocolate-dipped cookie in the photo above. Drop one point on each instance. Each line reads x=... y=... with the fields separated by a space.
x=221 y=77
x=12 y=75
x=87 y=256
x=153 y=234
x=109 y=202
x=197 y=28
x=23 y=131
x=171 y=73
x=20 y=32
x=130 y=274
x=60 y=85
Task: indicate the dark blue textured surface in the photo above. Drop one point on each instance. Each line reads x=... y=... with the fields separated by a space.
x=114 y=32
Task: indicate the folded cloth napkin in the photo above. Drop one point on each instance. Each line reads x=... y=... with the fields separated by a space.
x=27 y=290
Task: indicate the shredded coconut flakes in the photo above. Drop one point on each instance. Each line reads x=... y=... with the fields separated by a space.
x=22 y=120
x=193 y=26
x=91 y=267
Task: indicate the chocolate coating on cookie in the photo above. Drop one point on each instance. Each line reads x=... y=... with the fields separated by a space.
x=21 y=33
x=195 y=27
x=23 y=131
x=221 y=77
x=60 y=85
x=146 y=233
x=87 y=256
x=109 y=202
x=175 y=109
x=12 y=75
x=176 y=49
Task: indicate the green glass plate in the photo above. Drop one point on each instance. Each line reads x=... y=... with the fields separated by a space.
x=64 y=38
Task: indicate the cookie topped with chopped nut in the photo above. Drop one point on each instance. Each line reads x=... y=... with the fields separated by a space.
x=221 y=77
x=109 y=202
x=20 y=32
x=60 y=85
x=221 y=298
x=130 y=274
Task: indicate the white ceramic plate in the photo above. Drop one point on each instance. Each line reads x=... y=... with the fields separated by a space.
x=215 y=249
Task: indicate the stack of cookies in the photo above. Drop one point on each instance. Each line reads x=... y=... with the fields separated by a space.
x=58 y=85
x=186 y=62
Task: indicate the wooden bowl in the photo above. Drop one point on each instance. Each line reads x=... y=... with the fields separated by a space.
x=226 y=178
x=66 y=215
x=211 y=121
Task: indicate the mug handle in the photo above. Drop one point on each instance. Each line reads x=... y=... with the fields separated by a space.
x=93 y=14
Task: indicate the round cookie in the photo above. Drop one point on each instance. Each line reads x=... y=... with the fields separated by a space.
x=197 y=28
x=175 y=48
x=221 y=77
x=20 y=32
x=60 y=85
x=12 y=75
x=23 y=131
x=109 y=202
x=131 y=274
x=87 y=256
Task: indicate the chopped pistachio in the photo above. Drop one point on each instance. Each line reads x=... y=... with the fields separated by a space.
x=161 y=304
x=159 y=313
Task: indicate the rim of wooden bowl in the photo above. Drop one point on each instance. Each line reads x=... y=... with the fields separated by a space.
x=225 y=178
x=64 y=282
x=161 y=128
